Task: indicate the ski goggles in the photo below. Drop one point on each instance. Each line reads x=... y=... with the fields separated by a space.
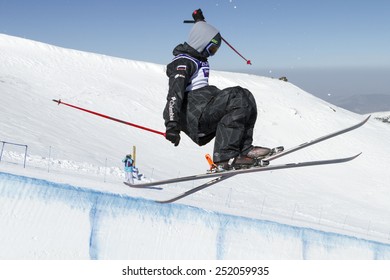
x=212 y=47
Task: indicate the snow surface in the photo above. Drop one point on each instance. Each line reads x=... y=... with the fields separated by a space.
x=72 y=147
x=45 y=216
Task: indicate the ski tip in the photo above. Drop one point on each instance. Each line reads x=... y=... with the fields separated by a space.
x=350 y=158
x=130 y=185
x=360 y=123
x=142 y=186
x=167 y=201
x=357 y=155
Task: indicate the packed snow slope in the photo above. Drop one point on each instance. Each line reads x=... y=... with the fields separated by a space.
x=69 y=146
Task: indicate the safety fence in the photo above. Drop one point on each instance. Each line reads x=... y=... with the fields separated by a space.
x=60 y=162
x=4 y=143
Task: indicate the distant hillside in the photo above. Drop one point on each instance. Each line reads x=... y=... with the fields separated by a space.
x=382 y=116
x=364 y=104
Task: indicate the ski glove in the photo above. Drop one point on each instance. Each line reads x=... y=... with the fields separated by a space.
x=197 y=15
x=173 y=135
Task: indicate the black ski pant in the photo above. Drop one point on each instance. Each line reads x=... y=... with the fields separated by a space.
x=229 y=115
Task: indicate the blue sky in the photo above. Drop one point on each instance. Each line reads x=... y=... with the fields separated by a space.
x=279 y=37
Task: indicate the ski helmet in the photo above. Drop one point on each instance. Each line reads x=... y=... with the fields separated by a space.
x=204 y=36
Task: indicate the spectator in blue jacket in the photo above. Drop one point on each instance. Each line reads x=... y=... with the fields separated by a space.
x=129 y=168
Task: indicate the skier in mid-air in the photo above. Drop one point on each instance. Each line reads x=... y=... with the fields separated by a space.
x=203 y=111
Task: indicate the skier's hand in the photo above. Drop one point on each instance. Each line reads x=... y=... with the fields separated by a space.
x=173 y=135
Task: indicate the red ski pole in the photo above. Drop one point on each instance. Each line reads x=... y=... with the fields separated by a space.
x=197 y=15
x=59 y=101
x=247 y=60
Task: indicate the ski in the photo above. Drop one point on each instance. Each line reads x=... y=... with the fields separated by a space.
x=317 y=140
x=272 y=157
x=218 y=177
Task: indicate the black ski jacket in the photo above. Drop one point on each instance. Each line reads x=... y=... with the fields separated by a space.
x=176 y=113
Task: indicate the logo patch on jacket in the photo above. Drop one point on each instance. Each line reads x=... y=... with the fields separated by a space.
x=181 y=68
